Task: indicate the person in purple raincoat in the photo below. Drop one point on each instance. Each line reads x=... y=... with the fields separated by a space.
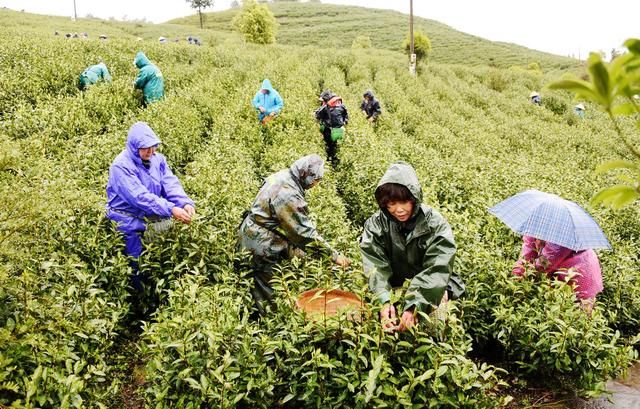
x=142 y=190
x=552 y=258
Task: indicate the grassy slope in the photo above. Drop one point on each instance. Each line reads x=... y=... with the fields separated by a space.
x=326 y=25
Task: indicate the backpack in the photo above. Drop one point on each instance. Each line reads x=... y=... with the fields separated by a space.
x=336 y=121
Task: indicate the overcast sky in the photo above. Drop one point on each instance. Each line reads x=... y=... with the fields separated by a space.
x=565 y=27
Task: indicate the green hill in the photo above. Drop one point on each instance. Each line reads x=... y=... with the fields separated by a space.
x=334 y=26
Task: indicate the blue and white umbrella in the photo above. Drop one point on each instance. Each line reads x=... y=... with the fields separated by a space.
x=551 y=218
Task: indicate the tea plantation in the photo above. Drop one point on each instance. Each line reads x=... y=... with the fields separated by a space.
x=469 y=131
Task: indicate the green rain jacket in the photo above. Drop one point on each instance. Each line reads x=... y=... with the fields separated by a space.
x=93 y=74
x=149 y=79
x=421 y=250
x=278 y=220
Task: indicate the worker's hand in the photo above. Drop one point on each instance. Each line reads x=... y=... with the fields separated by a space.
x=181 y=215
x=342 y=261
x=272 y=114
x=261 y=109
x=190 y=210
x=371 y=119
x=408 y=319
x=388 y=317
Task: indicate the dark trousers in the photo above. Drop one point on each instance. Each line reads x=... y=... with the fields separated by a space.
x=331 y=145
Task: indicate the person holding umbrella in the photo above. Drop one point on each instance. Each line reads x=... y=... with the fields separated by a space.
x=558 y=237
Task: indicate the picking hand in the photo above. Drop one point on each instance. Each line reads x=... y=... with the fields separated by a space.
x=181 y=215
x=190 y=210
x=388 y=318
x=407 y=320
x=261 y=109
x=342 y=261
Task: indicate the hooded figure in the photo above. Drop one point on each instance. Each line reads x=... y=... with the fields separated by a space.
x=278 y=223
x=370 y=106
x=535 y=98
x=92 y=75
x=149 y=79
x=140 y=189
x=267 y=101
x=417 y=246
x=333 y=116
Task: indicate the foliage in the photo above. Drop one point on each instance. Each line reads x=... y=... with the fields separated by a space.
x=614 y=86
x=421 y=45
x=256 y=23
x=361 y=42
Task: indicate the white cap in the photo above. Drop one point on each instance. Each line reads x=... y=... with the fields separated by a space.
x=580 y=106
x=533 y=94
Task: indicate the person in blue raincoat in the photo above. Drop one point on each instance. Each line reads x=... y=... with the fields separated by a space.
x=142 y=190
x=149 y=80
x=267 y=102
x=92 y=75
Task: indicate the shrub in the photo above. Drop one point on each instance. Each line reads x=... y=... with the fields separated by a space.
x=421 y=45
x=256 y=23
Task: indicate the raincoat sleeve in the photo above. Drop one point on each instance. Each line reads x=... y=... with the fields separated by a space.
x=257 y=100
x=128 y=187
x=141 y=79
x=529 y=253
x=363 y=106
x=293 y=214
x=345 y=115
x=428 y=286
x=278 y=103
x=551 y=256
x=375 y=261
x=172 y=188
x=105 y=73
x=376 y=109
x=321 y=113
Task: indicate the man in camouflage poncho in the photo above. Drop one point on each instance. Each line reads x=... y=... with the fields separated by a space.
x=278 y=223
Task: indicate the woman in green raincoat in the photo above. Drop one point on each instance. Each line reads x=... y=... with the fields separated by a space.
x=278 y=225
x=408 y=240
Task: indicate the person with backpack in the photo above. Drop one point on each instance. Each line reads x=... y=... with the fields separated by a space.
x=92 y=75
x=267 y=102
x=149 y=80
x=370 y=106
x=333 y=116
x=278 y=225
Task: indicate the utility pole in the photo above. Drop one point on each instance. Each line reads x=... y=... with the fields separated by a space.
x=75 y=13
x=412 y=61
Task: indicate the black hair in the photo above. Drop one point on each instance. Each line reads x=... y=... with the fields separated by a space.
x=393 y=192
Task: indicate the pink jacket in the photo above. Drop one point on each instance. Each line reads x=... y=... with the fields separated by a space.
x=551 y=258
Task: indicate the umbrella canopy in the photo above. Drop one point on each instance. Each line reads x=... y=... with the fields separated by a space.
x=551 y=218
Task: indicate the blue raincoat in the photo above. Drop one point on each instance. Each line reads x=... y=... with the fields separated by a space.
x=149 y=79
x=93 y=74
x=271 y=101
x=135 y=191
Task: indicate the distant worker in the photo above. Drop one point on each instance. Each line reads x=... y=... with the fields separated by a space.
x=370 y=106
x=103 y=37
x=93 y=75
x=194 y=40
x=143 y=194
x=333 y=116
x=535 y=98
x=149 y=79
x=162 y=40
x=579 y=110
x=56 y=33
x=68 y=35
x=85 y=35
x=278 y=226
x=267 y=102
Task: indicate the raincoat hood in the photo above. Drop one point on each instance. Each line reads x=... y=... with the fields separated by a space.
x=403 y=174
x=327 y=95
x=307 y=170
x=266 y=84
x=141 y=60
x=368 y=94
x=140 y=136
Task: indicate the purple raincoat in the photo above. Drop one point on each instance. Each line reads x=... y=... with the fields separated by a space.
x=551 y=258
x=135 y=192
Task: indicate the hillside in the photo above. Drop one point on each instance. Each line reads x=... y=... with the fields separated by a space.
x=67 y=335
x=334 y=26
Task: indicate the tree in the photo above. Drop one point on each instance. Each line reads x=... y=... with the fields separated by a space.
x=421 y=45
x=256 y=23
x=235 y=4
x=200 y=4
x=361 y=42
